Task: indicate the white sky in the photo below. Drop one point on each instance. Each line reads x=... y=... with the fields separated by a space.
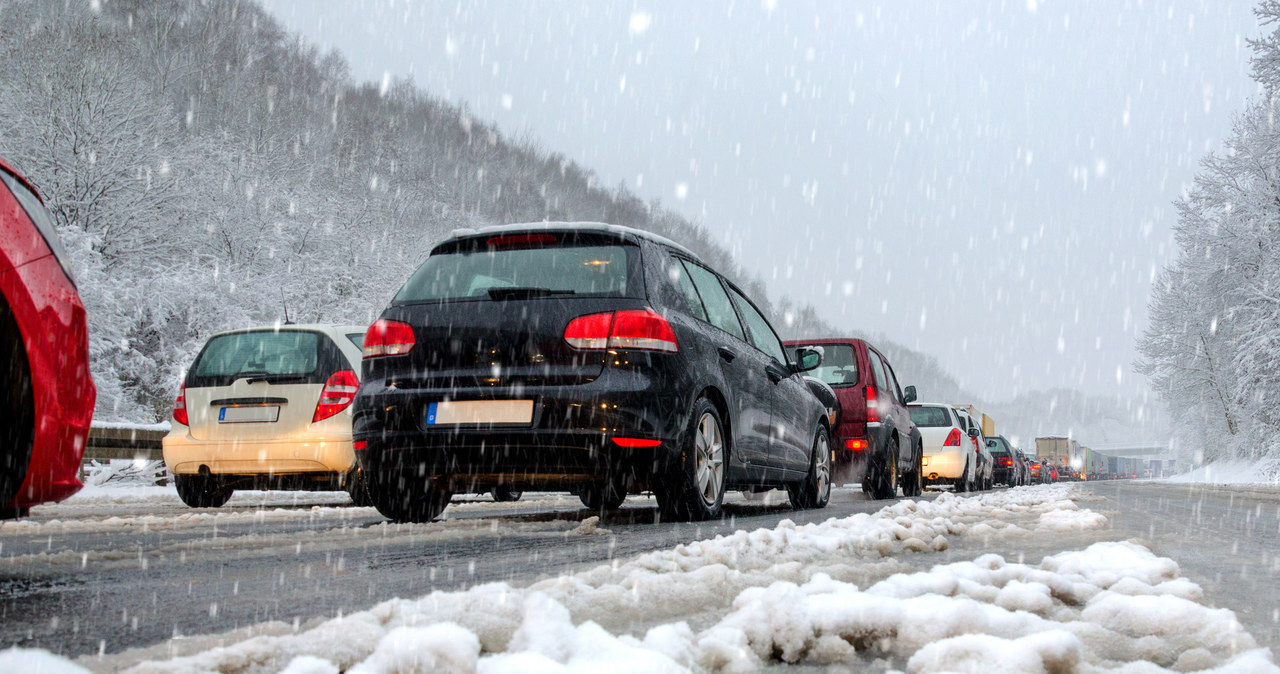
x=989 y=182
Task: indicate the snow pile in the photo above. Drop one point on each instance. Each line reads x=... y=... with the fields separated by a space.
x=742 y=602
x=1262 y=472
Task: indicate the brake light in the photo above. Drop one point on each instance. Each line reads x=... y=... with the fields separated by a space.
x=359 y=445
x=640 y=329
x=636 y=442
x=388 y=338
x=509 y=240
x=855 y=444
x=953 y=438
x=1006 y=462
x=873 y=405
x=180 y=407
x=337 y=395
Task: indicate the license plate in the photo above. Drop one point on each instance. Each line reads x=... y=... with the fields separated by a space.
x=454 y=412
x=249 y=415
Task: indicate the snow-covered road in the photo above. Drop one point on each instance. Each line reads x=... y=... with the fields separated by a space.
x=1027 y=579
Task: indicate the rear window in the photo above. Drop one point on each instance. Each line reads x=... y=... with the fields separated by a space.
x=997 y=446
x=930 y=417
x=839 y=364
x=356 y=338
x=523 y=272
x=290 y=356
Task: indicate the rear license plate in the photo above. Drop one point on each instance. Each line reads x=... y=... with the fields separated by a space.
x=454 y=412
x=249 y=415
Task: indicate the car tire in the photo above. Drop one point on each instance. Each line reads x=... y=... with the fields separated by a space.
x=696 y=489
x=602 y=496
x=912 y=485
x=358 y=488
x=963 y=483
x=403 y=497
x=815 y=490
x=200 y=491
x=505 y=494
x=884 y=484
x=17 y=409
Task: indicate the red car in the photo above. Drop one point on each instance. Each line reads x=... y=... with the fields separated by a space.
x=875 y=439
x=46 y=402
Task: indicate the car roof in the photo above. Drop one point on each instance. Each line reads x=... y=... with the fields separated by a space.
x=4 y=165
x=328 y=328
x=824 y=341
x=587 y=226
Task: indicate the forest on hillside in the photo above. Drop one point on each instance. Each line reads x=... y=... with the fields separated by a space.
x=208 y=170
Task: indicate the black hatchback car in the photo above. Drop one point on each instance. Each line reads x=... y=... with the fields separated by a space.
x=594 y=358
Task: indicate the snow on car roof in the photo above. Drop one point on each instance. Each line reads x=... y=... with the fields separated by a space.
x=584 y=225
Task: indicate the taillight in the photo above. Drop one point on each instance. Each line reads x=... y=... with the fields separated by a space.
x=337 y=395
x=1006 y=462
x=855 y=444
x=642 y=330
x=873 y=405
x=636 y=442
x=953 y=438
x=180 y=407
x=388 y=338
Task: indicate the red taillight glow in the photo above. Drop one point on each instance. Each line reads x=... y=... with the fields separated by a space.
x=636 y=442
x=642 y=330
x=1006 y=462
x=953 y=438
x=873 y=405
x=337 y=395
x=855 y=444
x=388 y=338
x=360 y=444
x=180 y=407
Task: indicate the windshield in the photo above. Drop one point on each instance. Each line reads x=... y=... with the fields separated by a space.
x=930 y=417
x=839 y=365
x=521 y=273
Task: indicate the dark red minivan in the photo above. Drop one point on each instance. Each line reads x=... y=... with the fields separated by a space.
x=875 y=440
x=46 y=401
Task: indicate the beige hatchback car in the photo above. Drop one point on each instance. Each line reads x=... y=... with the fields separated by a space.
x=267 y=408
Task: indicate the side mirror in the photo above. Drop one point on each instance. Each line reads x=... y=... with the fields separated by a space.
x=909 y=395
x=807 y=359
x=973 y=432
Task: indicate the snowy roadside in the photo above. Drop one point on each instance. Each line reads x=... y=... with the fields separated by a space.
x=771 y=597
x=1260 y=473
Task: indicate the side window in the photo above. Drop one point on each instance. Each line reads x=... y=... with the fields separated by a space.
x=878 y=370
x=716 y=301
x=893 y=381
x=762 y=334
x=680 y=277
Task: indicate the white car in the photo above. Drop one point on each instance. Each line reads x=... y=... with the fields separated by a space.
x=267 y=408
x=949 y=453
x=986 y=462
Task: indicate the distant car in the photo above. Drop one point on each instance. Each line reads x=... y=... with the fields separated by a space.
x=592 y=358
x=1007 y=467
x=267 y=408
x=949 y=457
x=1039 y=471
x=985 y=462
x=1025 y=463
x=876 y=442
x=46 y=403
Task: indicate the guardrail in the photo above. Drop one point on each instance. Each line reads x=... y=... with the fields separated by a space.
x=123 y=442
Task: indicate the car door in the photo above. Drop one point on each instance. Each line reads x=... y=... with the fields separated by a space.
x=791 y=424
x=743 y=367
x=896 y=408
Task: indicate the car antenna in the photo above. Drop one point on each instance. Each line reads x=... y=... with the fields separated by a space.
x=286 y=308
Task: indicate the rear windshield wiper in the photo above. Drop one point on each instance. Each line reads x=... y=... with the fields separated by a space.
x=524 y=293
x=254 y=376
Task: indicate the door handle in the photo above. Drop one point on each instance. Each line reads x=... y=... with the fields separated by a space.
x=727 y=354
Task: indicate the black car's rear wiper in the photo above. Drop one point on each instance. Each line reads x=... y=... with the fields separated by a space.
x=521 y=293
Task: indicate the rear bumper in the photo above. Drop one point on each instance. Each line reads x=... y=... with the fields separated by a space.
x=317 y=454
x=568 y=441
x=944 y=465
